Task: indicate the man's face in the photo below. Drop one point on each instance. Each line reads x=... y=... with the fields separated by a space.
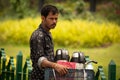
x=50 y=21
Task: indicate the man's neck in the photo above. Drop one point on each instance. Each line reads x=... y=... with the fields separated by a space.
x=45 y=27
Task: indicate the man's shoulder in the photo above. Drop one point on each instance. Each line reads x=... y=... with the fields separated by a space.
x=38 y=33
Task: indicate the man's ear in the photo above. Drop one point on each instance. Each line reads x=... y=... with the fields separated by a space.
x=43 y=18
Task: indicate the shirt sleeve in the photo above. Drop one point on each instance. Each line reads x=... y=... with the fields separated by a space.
x=37 y=47
x=40 y=61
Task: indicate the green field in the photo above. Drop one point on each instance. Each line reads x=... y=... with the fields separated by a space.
x=102 y=55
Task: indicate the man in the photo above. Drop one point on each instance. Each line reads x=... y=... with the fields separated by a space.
x=41 y=45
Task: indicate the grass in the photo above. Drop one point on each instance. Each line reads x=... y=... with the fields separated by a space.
x=102 y=55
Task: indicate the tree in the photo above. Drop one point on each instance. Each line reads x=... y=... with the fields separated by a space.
x=41 y=3
x=92 y=5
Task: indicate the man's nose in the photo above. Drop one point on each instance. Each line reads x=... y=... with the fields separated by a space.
x=54 y=20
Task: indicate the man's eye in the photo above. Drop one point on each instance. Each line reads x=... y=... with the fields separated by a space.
x=51 y=18
x=56 y=18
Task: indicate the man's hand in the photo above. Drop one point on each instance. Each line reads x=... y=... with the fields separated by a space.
x=62 y=70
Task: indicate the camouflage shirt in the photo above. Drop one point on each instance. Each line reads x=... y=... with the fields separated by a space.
x=41 y=45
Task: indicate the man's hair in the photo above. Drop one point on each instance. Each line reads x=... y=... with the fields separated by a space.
x=47 y=9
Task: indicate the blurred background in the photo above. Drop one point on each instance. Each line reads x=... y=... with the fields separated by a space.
x=89 y=26
x=108 y=9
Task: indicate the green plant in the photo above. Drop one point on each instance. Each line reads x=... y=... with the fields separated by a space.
x=75 y=33
x=20 y=7
x=80 y=6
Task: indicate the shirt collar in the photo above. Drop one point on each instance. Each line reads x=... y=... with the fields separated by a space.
x=40 y=27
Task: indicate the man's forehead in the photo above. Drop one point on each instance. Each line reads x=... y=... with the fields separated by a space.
x=52 y=14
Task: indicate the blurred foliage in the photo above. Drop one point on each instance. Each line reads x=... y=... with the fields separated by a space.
x=80 y=6
x=110 y=11
x=20 y=7
x=17 y=31
x=69 y=9
x=88 y=29
x=75 y=33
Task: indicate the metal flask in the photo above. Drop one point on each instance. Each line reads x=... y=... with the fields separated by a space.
x=78 y=57
x=75 y=57
x=58 y=54
x=62 y=54
x=81 y=57
x=65 y=55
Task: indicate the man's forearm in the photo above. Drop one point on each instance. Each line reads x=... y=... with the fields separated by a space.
x=43 y=62
x=46 y=63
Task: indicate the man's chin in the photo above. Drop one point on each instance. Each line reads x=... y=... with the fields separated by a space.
x=53 y=26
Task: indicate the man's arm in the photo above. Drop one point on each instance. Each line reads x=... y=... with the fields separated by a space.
x=59 y=68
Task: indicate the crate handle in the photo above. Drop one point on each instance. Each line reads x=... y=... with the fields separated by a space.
x=54 y=74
